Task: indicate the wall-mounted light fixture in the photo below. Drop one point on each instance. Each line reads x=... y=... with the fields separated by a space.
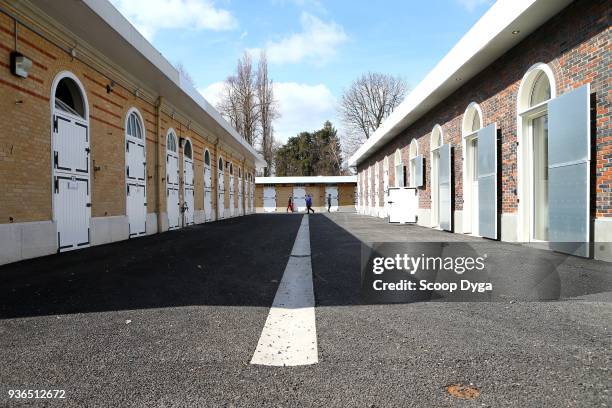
x=20 y=64
x=515 y=32
x=109 y=87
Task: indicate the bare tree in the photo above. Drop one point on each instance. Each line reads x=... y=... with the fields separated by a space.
x=366 y=103
x=267 y=111
x=239 y=99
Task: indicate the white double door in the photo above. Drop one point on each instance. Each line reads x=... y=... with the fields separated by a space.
x=232 y=207
x=269 y=199
x=240 y=197
x=207 y=193
x=188 y=191
x=221 y=193
x=331 y=194
x=299 y=199
x=71 y=186
x=135 y=178
x=173 y=204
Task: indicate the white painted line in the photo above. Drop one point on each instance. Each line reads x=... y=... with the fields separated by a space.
x=289 y=337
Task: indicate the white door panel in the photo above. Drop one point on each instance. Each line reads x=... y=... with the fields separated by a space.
x=299 y=199
x=334 y=197
x=136 y=209
x=72 y=211
x=71 y=146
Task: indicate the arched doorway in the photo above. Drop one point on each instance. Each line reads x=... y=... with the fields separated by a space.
x=221 y=189
x=435 y=143
x=207 y=186
x=188 y=184
x=240 y=194
x=471 y=124
x=173 y=205
x=135 y=173
x=71 y=170
x=232 y=204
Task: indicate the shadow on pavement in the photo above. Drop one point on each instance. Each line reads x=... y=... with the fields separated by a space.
x=236 y=261
x=516 y=272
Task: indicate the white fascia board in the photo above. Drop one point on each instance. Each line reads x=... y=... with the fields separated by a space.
x=107 y=12
x=488 y=39
x=306 y=180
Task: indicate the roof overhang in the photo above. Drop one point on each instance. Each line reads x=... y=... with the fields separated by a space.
x=103 y=27
x=306 y=180
x=486 y=41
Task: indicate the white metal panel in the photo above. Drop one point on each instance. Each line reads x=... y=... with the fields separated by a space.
x=172 y=204
x=172 y=169
x=135 y=160
x=221 y=194
x=299 y=199
x=445 y=187
x=269 y=199
x=136 y=209
x=569 y=152
x=240 y=196
x=487 y=181
x=418 y=166
x=402 y=204
x=232 y=206
x=71 y=211
x=188 y=206
x=207 y=193
x=333 y=191
x=70 y=146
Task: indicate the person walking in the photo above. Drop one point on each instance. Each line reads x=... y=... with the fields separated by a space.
x=290 y=205
x=309 y=204
x=329 y=203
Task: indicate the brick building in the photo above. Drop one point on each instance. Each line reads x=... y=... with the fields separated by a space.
x=272 y=193
x=104 y=140
x=508 y=137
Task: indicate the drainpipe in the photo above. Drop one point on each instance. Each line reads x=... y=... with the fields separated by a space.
x=216 y=178
x=158 y=164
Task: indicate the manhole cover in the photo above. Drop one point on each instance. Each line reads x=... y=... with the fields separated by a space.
x=463 y=391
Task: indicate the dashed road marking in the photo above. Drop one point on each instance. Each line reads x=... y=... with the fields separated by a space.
x=289 y=337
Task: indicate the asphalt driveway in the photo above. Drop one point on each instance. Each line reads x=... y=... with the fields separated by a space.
x=173 y=320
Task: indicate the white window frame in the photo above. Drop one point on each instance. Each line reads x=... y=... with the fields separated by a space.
x=433 y=169
x=525 y=116
x=413 y=152
x=399 y=173
x=468 y=134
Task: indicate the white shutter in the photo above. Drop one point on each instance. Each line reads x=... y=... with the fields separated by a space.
x=444 y=187
x=487 y=181
x=569 y=151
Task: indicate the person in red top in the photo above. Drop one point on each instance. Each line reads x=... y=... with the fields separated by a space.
x=290 y=205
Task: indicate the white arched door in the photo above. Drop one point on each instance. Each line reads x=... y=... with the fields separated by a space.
x=188 y=184
x=232 y=205
x=71 y=170
x=172 y=181
x=207 y=187
x=240 y=194
x=135 y=174
x=221 y=189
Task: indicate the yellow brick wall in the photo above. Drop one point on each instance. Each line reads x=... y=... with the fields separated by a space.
x=25 y=145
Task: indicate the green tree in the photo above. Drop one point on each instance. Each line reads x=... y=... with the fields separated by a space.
x=310 y=154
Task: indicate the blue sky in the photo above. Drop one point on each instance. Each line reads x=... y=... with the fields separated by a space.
x=315 y=47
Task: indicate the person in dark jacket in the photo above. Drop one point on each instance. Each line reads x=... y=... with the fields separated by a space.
x=328 y=202
x=290 y=205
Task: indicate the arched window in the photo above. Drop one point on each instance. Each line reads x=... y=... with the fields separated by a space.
x=231 y=168
x=206 y=158
x=472 y=119
x=134 y=126
x=413 y=152
x=536 y=89
x=187 y=149
x=68 y=97
x=239 y=172
x=399 y=169
x=220 y=164
x=171 y=142
x=436 y=137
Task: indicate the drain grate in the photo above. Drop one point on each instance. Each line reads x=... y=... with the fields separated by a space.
x=463 y=391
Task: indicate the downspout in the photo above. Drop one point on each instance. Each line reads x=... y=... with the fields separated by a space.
x=158 y=164
x=216 y=179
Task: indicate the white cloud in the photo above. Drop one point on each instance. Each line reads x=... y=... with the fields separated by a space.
x=149 y=16
x=471 y=5
x=317 y=42
x=302 y=107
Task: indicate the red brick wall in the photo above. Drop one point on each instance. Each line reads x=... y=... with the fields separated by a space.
x=576 y=46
